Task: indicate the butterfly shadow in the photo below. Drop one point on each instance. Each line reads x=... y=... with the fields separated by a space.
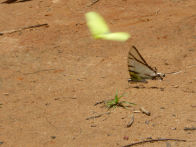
x=143 y=86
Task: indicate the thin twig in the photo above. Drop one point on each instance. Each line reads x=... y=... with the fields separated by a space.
x=190 y=66
x=9 y=1
x=101 y=102
x=153 y=140
x=177 y=72
x=189 y=128
x=145 y=111
x=131 y=121
x=12 y=1
x=191 y=120
x=92 y=3
x=38 y=71
x=23 y=28
x=97 y=116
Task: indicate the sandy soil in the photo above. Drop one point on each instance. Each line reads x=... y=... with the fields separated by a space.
x=51 y=77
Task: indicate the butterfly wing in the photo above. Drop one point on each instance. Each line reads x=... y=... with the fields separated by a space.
x=138 y=68
x=117 y=36
x=100 y=30
x=96 y=24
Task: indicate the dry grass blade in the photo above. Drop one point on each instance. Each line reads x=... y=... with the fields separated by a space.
x=153 y=140
x=190 y=128
x=23 y=28
x=145 y=111
x=131 y=121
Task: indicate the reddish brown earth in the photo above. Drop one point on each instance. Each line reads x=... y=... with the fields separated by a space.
x=51 y=77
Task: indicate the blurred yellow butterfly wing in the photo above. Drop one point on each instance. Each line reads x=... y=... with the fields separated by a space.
x=96 y=24
x=120 y=36
x=100 y=30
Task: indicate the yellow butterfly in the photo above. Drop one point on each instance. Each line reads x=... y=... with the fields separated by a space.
x=138 y=68
x=100 y=30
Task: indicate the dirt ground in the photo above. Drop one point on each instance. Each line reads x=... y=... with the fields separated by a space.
x=51 y=77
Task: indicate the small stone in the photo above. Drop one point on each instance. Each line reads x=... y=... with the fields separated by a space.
x=162 y=89
x=191 y=49
x=175 y=86
x=147 y=122
x=174 y=115
x=47 y=104
x=53 y=137
x=126 y=138
x=173 y=128
x=93 y=125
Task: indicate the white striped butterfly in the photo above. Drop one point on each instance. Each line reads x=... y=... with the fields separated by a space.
x=139 y=69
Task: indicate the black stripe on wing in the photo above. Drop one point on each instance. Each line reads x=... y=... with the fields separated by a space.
x=140 y=60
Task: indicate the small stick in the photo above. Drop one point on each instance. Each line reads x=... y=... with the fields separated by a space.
x=190 y=66
x=136 y=111
x=9 y=1
x=97 y=116
x=97 y=103
x=153 y=140
x=23 y=28
x=38 y=71
x=191 y=120
x=101 y=102
x=177 y=72
x=189 y=129
x=92 y=3
x=131 y=121
x=145 y=111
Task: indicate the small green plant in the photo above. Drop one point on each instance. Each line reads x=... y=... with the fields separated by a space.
x=116 y=102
